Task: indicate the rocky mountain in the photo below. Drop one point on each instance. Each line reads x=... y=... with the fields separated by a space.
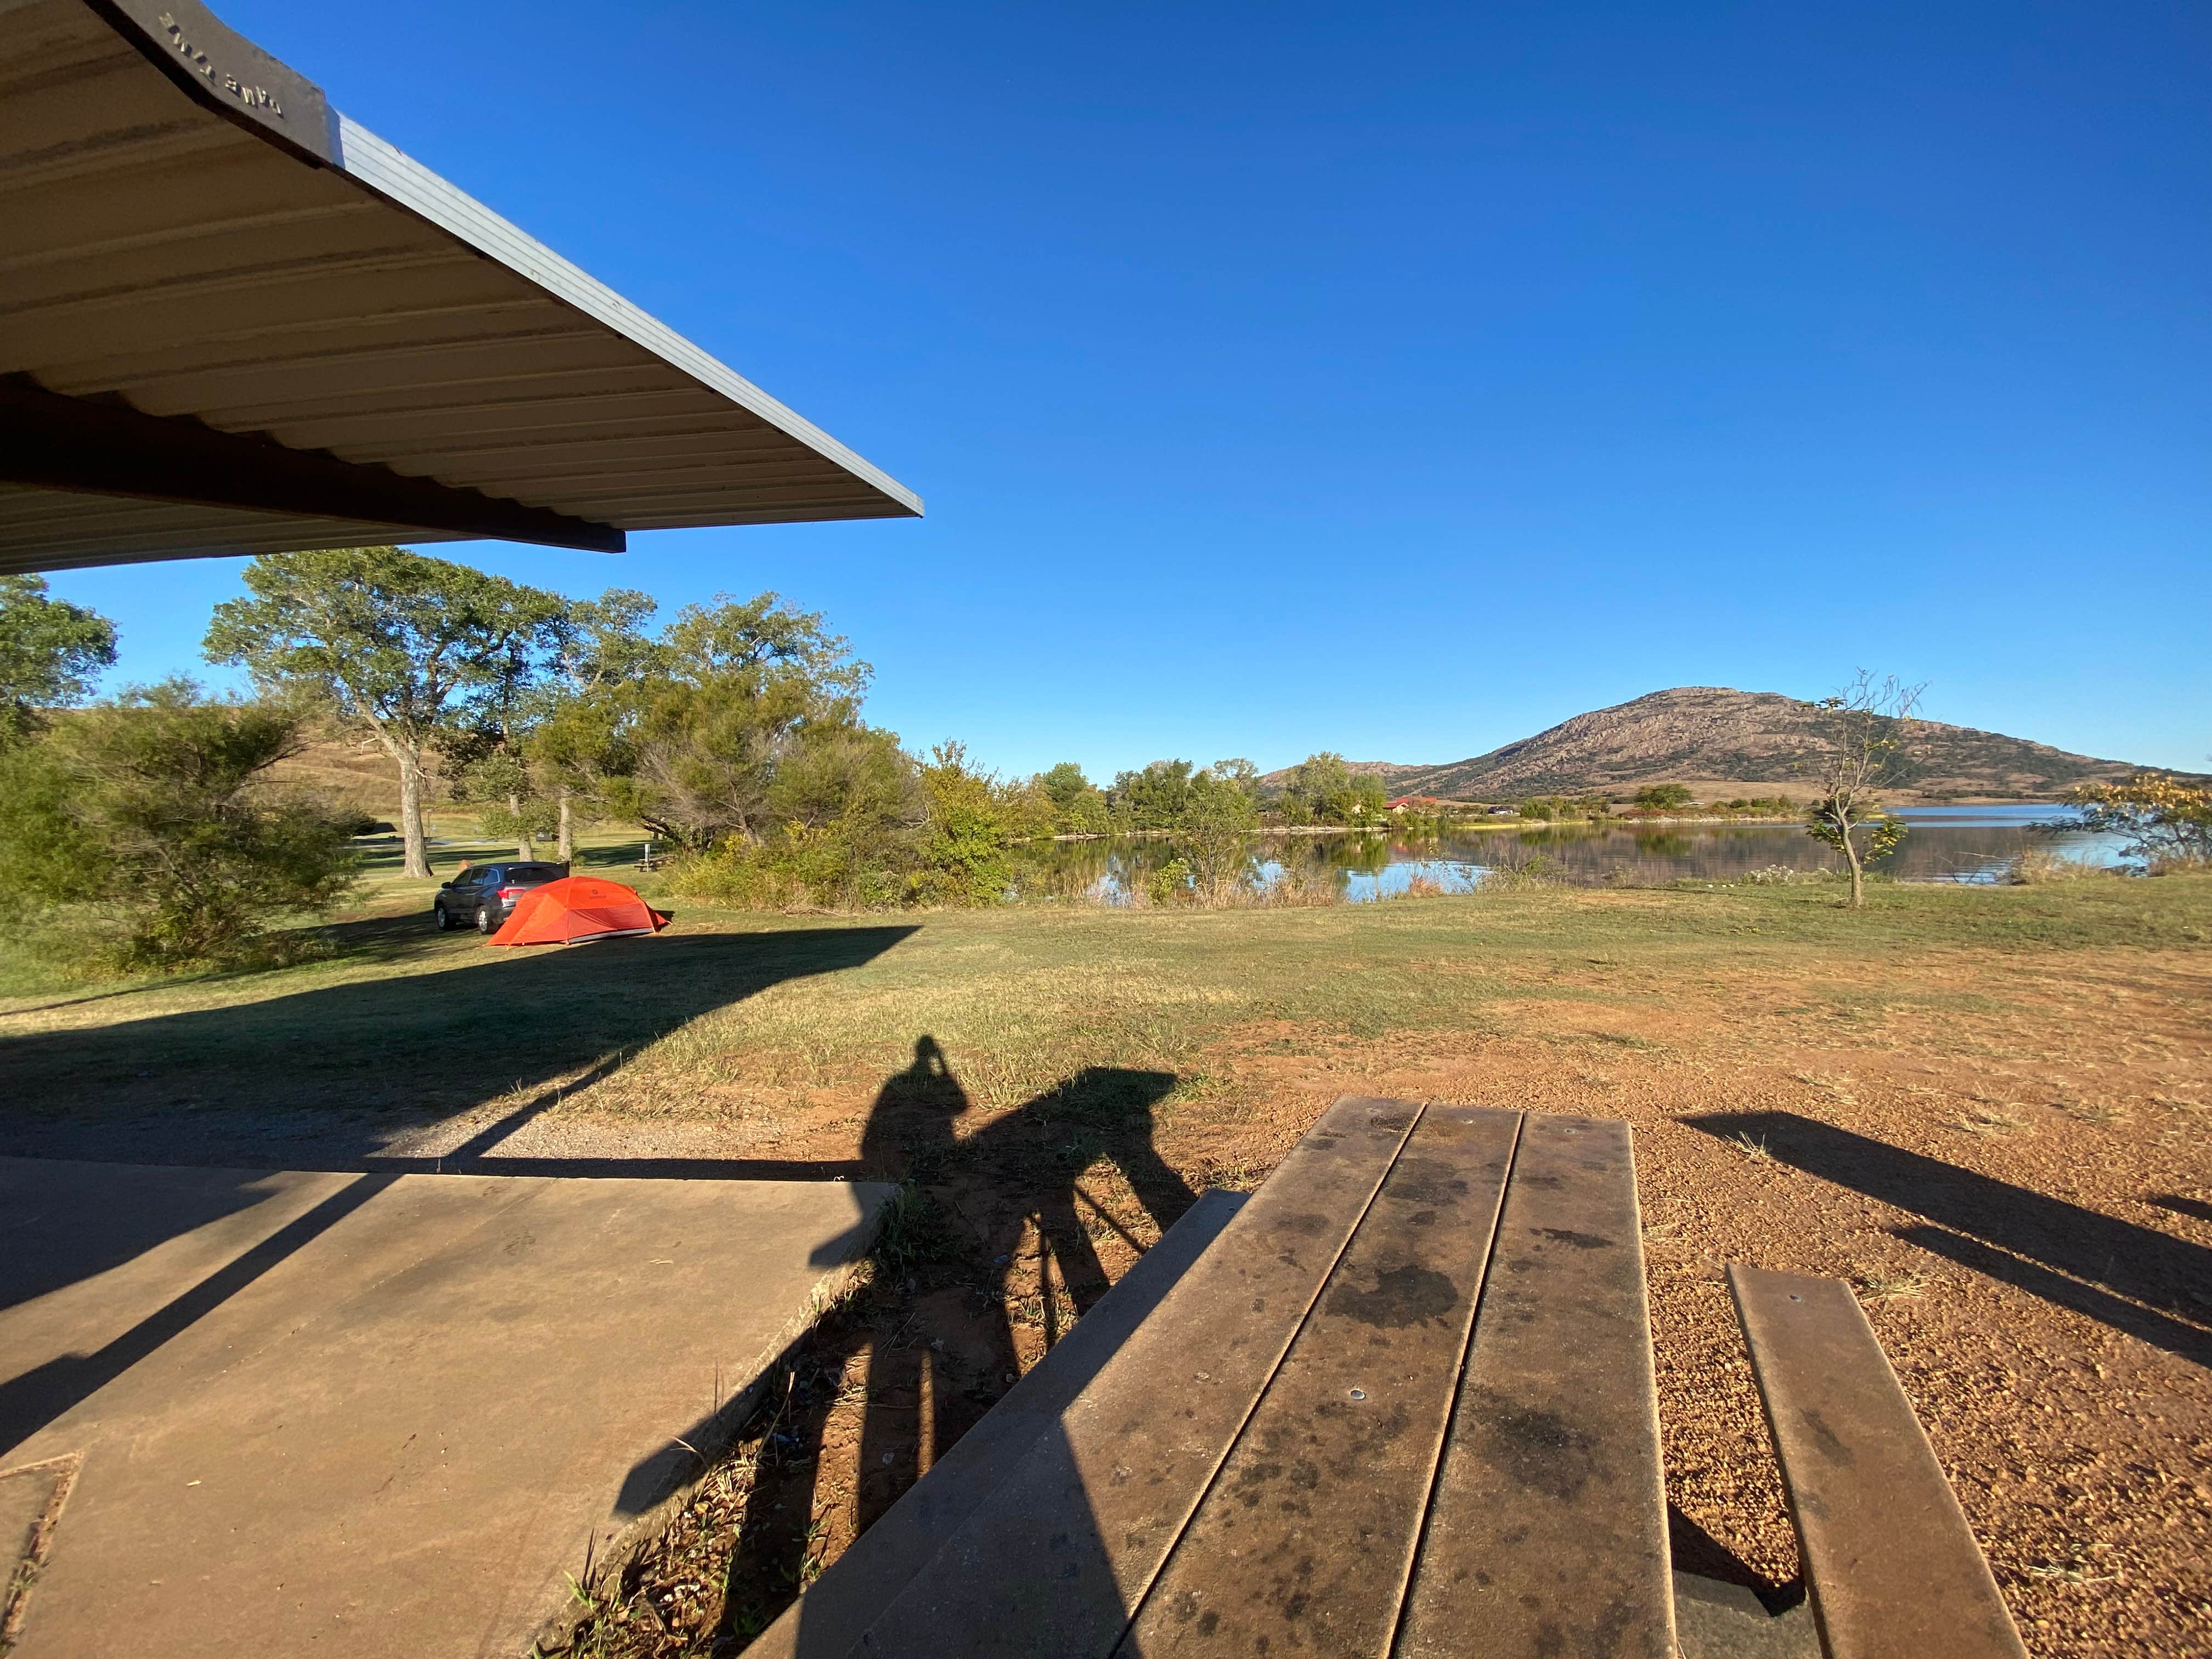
x=1723 y=743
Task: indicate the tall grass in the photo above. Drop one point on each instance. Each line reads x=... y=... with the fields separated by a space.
x=2038 y=867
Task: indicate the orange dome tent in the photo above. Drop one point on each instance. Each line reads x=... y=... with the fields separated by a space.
x=576 y=911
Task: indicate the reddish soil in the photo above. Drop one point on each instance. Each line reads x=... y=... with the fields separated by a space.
x=2021 y=1193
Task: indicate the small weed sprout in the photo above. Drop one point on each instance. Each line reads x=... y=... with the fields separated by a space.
x=1236 y=1176
x=1997 y=1125
x=914 y=1231
x=1774 y=875
x=1884 y=1285
x=2076 y=1571
x=2100 y=1112
x=1754 y=1150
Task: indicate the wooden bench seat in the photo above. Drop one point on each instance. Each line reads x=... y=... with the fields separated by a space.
x=1891 y=1564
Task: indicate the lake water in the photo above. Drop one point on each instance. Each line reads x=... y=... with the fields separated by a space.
x=1944 y=843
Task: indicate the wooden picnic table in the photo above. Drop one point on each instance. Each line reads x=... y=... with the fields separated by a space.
x=1401 y=1402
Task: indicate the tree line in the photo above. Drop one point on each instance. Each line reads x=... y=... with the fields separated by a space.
x=733 y=731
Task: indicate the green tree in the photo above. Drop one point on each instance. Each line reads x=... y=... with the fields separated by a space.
x=384 y=638
x=1370 y=802
x=1865 y=734
x=1215 y=834
x=486 y=753
x=1664 y=797
x=1153 y=798
x=1319 y=786
x=50 y=649
x=582 y=737
x=737 y=688
x=1323 y=788
x=1238 y=773
x=1078 y=805
x=963 y=852
x=155 y=814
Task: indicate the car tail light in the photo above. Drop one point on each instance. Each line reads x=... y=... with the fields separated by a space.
x=512 y=892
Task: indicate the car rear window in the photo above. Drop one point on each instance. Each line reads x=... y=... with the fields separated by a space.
x=521 y=873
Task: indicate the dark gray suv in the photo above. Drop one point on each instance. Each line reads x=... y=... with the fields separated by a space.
x=484 y=894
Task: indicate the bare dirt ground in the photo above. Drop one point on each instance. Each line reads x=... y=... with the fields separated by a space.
x=2004 y=1152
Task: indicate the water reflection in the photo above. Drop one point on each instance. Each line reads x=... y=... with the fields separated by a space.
x=1961 y=844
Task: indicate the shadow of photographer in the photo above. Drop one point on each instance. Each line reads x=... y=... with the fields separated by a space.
x=995 y=1230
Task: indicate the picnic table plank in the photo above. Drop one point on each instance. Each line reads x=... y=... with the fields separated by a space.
x=1062 y=1553
x=1304 y=1542
x=1548 y=1531
x=1891 y=1565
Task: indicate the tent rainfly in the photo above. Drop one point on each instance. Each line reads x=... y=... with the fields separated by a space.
x=576 y=910
x=233 y=321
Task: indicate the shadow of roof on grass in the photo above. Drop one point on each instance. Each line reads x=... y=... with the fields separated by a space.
x=305 y=1062
x=427 y=1042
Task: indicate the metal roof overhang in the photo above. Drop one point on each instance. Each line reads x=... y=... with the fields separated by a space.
x=233 y=321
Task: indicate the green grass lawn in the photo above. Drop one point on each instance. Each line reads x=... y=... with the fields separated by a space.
x=734 y=1010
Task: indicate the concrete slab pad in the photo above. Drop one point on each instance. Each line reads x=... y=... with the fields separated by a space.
x=100 y=1262
x=377 y=1415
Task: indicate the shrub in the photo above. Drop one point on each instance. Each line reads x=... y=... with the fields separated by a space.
x=866 y=828
x=962 y=856
x=1515 y=869
x=152 y=821
x=1170 y=882
x=354 y=822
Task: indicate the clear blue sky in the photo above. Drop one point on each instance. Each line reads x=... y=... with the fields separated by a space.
x=1391 y=380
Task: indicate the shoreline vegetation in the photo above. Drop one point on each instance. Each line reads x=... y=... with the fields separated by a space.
x=1478 y=820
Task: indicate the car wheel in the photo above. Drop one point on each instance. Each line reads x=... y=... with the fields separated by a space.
x=445 y=921
x=485 y=921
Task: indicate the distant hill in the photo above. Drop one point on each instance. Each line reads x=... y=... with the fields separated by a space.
x=351 y=770
x=1725 y=743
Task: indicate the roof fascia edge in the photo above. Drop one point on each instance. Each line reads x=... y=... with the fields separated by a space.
x=390 y=172
x=221 y=69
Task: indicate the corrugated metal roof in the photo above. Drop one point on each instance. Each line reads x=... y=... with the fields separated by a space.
x=191 y=234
